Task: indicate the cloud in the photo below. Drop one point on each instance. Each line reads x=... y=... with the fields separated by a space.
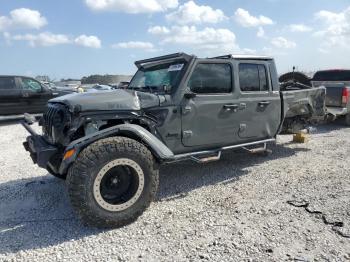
x=132 y=6
x=22 y=18
x=281 y=42
x=88 y=41
x=243 y=18
x=331 y=17
x=261 y=32
x=158 y=30
x=273 y=52
x=323 y=51
x=335 y=30
x=191 y=13
x=208 y=39
x=300 y=28
x=42 y=39
x=47 y=39
x=249 y=51
x=135 y=45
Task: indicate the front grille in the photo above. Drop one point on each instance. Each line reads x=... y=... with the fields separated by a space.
x=55 y=120
x=48 y=119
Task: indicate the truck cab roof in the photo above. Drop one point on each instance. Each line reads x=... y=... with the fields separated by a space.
x=188 y=57
x=243 y=57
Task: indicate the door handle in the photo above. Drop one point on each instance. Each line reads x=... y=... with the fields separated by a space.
x=264 y=103
x=229 y=107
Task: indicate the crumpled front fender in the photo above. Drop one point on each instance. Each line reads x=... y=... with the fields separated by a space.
x=157 y=147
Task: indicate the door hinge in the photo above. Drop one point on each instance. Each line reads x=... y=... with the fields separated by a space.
x=187 y=134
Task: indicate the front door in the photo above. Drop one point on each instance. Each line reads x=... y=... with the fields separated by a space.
x=208 y=117
x=34 y=96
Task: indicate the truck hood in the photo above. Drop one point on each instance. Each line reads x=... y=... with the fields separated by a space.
x=109 y=100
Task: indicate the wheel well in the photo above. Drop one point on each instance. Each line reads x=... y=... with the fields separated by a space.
x=115 y=122
x=133 y=136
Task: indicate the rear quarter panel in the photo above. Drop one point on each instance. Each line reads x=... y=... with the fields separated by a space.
x=305 y=103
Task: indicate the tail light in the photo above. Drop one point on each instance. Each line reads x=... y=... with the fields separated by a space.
x=345 y=95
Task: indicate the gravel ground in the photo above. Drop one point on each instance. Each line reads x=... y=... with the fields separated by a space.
x=291 y=205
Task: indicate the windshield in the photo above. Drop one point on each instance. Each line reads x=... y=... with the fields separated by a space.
x=159 y=78
x=332 y=75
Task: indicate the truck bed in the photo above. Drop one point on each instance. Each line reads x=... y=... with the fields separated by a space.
x=334 y=92
x=306 y=103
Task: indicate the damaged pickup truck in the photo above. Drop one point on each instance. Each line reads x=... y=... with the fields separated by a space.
x=109 y=145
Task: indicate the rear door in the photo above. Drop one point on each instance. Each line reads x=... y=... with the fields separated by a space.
x=10 y=94
x=208 y=118
x=34 y=95
x=262 y=116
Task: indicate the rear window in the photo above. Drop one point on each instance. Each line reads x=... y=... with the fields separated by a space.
x=7 y=83
x=252 y=77
x=336 y=75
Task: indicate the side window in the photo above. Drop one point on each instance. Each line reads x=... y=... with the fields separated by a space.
x=249 y=77
x=252 y=78
x=273 y=76
x=7 y=83
x=211 y=79
x=32 y=85
x=263 y=78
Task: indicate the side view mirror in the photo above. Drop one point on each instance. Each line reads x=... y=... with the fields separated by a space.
x=190 y=95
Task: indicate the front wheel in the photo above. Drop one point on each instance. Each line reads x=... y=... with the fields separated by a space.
x=112 y=182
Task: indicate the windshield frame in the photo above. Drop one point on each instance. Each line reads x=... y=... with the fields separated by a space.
x=159 y=90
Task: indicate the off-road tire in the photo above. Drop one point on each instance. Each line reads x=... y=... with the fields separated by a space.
x=347 y=120
x=91 y=162
x=297 y=76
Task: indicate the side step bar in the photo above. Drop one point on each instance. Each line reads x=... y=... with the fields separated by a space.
x=196 y=155
x=207 y=159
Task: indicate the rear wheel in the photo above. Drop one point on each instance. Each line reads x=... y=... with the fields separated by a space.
x=112 y=182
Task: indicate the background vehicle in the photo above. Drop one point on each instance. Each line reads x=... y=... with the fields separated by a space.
x=337 y=83
x=97 y=88
x=123 y=85
x=20 y=94
x=176 y=107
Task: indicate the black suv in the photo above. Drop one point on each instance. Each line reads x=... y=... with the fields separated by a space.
x=20 y=94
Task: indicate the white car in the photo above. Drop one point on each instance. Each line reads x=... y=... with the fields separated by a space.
x=97 y=88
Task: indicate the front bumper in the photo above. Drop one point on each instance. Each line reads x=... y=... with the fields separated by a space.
x=40 y=151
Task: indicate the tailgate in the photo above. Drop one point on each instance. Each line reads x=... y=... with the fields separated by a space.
x=334 y=92
x=306 y=103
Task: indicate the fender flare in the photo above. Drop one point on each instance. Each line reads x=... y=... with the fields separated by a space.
x=157 y=147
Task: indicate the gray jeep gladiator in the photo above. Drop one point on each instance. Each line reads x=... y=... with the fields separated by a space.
x=109 y=145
